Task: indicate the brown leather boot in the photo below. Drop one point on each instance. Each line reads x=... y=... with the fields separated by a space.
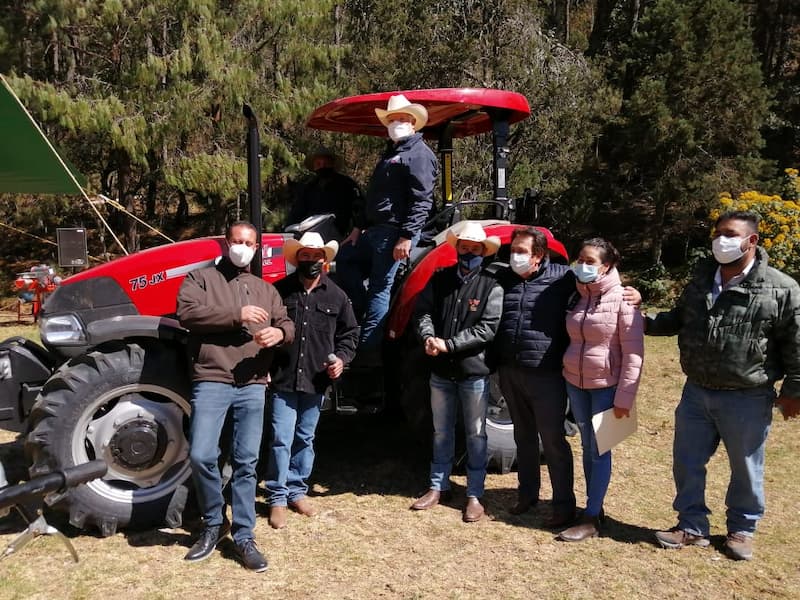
x=586 y=527
x=430 y=499
x=303 y=506
x=473 y=510
x=277 y=517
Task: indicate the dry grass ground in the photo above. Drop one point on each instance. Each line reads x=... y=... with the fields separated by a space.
x=367 y=544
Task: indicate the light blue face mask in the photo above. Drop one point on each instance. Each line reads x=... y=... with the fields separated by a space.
x=585 y=273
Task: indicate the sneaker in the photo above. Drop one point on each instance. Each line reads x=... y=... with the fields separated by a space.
x=739 y=546
x=251 y=556
x=208 y=540
x=677 y=538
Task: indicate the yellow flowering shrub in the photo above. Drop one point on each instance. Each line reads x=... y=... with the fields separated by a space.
x=780 y=220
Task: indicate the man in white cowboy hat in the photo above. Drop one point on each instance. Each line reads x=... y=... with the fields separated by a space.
x=398 y=202
x=457 y=316
x=326 y=335
x=327 y=191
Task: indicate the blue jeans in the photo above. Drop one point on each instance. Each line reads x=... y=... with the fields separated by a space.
x=596 y=468
x=210 y=403
x=291 y=457
x=370 y=258
x=741 y=419
x=472 y=394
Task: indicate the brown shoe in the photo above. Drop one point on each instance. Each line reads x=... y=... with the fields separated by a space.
x=277 y=517
x=739 y=546
x=430 y=499
x=303 y=506
x=676 y=538
x=560 y=519
x=587 y=527
x=473 y=510
x=523 y=505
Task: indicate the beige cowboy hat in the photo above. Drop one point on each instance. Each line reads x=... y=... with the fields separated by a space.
x=323 y=151
x=400 y=104
x=472 y=231
x=310 y=239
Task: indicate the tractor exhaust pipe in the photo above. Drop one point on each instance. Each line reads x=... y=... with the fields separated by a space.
x=254 y=181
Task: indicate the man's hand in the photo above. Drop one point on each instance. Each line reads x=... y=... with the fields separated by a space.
x=335 y=368
x=621 y=412
x=402 y=249
x=268 y=337
x=434 y=346
x=790 y=407
x=632 y=296
x=254 y=314
x=352 y=238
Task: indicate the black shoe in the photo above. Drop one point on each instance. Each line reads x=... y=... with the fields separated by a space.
x=251 y=557
x=208 y=540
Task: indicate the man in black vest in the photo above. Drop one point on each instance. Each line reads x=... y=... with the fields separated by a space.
x=457 y=316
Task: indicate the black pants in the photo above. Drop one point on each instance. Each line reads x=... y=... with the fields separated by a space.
x=537 y=403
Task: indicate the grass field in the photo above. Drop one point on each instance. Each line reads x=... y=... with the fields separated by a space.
x=367 y=544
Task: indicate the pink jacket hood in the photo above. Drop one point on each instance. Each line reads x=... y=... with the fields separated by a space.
x=606 y=340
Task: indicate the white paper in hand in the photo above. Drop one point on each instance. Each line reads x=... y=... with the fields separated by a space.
x=610 y=431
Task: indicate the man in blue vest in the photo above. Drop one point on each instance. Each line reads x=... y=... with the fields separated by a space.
x=457 y=317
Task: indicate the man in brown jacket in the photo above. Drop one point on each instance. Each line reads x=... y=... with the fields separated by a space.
x=236 y=320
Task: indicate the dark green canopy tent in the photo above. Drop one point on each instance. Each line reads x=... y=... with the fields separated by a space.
x=28 y=162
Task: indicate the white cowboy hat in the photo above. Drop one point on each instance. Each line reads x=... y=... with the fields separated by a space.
x=310 y=239
x=472 y=231
x=400 y=104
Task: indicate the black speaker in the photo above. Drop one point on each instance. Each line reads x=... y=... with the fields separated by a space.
x=72 y=247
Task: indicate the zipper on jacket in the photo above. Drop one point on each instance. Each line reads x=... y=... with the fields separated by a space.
x=583 y=339
x=519 y=321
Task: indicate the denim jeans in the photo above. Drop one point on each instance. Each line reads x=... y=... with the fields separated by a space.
x=370 y=258
x=596 y=468
x=472 y=394
x=210 y=403
x=291 y=456
x=741 y=419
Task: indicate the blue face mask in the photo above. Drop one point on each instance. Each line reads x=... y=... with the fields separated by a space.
x=585 y=273
x=469 y=261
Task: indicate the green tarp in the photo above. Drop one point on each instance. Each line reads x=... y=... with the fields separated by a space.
x=28 y=163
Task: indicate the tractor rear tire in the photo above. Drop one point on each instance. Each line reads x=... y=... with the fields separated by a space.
x=127 y=404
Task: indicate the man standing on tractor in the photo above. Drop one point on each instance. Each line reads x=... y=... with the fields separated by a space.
x=326 y=336
x=457 y=316
x=235 y=321
x=328 y=191
x=398 y=201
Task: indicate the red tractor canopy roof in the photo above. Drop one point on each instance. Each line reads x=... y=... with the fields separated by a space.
x=465 y=108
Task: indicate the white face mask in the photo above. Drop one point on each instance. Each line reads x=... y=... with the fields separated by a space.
x=241 y=254
x=399 y=130
x=585 y=273
x=520 y=263
x=727 y=249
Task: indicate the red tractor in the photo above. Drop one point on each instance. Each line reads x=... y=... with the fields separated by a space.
x=112 y=383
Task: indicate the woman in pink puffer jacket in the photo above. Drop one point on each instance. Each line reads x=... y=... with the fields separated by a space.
x=602 y=366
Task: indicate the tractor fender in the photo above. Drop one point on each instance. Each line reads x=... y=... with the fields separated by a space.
x=24 y=367
x=135 y=326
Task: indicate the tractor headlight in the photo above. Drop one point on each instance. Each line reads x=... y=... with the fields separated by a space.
x=5 y=368
x=62 y=329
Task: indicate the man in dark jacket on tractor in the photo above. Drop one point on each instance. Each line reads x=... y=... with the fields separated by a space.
x=457 y=316
x=235 y=320
x=398 y=201
x=738 y=327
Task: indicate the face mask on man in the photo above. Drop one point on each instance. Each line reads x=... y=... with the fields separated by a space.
x=586 y=273
x=309 y=269
x=727 y=249
x=399 y=130
x=520 y=263
x=241 y=254
x=469 y=261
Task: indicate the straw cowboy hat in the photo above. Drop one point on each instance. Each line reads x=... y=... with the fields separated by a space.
x=400 y=104
x=323 y=151
x=472 y=231
x=310 y=239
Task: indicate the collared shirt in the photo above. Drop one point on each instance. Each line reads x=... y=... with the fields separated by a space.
x=717 y=287
x=324 y=324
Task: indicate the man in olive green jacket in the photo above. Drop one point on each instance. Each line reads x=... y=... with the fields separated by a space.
x=738 y=327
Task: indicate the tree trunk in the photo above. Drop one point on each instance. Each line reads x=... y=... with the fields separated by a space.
x=658 y=231
x=600 y=26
